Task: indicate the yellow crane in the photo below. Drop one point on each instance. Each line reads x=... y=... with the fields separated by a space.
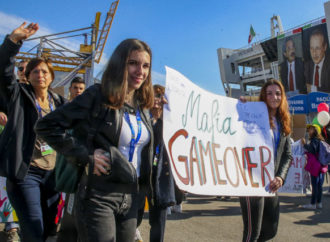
x=71 y=61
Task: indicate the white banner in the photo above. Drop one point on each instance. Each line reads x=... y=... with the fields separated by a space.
x=7 y=213
x=217 y=145
x=294 y=179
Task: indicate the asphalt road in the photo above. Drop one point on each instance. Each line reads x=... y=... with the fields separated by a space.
x=207 y=219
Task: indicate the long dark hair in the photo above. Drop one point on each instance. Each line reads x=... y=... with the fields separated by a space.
x=114 y=79
x=282 y=111
x=316 y=134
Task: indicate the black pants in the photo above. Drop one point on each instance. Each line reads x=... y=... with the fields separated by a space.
x=260 y=217
x=157 y=220
x=106 y=216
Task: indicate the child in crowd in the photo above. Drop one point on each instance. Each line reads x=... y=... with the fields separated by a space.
x=314 y=133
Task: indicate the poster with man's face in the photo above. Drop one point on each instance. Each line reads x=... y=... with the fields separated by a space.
x=317 y=58
x=291 y=63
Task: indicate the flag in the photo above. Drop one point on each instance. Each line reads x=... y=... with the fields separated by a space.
x=251 y=35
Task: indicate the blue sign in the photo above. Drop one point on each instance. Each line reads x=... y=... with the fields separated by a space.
x=298 y=104
x=315 y=98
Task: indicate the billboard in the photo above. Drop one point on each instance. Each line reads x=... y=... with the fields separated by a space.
x=304 y=59
x=317 y=58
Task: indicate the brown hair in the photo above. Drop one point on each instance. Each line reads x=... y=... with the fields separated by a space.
x=114 y=79
x=316 y=134
x=33 y=63
x=282 y=111
x=159 y=89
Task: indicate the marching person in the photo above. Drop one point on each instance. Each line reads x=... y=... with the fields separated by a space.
x=261 y=214
x=77 y=87
x=118 y=159
x=12 y=228
x=163 y=191
x=27 y=160
x=68 y=230
x=313 y=148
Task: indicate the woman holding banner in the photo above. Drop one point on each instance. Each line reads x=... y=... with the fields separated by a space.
x=261 y=214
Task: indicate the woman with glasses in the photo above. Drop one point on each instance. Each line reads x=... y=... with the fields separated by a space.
x=26 y=159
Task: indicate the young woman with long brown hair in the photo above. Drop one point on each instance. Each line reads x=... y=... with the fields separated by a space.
x=118 y=159
x=261 y=214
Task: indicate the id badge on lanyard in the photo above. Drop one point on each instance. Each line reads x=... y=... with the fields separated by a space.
x=44 y=147
x=156 y=156
x=134 y=140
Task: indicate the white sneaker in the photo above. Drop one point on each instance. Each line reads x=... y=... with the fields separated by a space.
x=177 y=208
x=309 y=206
x=319 y=205
x=168 y=211
x=138 y=237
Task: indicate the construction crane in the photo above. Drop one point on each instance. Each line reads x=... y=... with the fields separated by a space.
x=71 y=61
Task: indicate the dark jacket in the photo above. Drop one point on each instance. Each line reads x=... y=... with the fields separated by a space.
x=299 y=75
x=76 y=115
x=18 y=138
x=313 y=146
x=326 y=133
x=283 y=157
x=3 y=105
x=163 y=182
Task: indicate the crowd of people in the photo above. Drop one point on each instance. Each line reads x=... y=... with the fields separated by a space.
x=112 y=132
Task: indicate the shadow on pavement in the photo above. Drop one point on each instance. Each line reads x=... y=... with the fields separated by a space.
x=322 y=235
x=315 y=219
x=187 y=214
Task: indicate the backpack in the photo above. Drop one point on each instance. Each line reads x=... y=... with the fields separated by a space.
x=324 y=153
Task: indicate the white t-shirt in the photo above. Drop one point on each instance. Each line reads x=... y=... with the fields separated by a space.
x=125 y=139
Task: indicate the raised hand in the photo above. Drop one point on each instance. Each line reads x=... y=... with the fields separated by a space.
x=22 y=32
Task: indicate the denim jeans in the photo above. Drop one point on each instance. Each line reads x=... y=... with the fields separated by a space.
x=35 y=202
x=106 y=216
x=317 y=183
x=260 y=217
x=11 y=225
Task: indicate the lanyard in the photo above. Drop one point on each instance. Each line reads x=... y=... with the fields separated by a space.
x=134 y=140
x=156 y=157
x=39 y=108
x=157 y=150
x=276 y=133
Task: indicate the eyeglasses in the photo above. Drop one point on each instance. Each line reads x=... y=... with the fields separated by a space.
x=21 y=68
x=158 y=95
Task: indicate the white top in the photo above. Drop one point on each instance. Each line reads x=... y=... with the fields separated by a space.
x=125 y=139
x=292 y=64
